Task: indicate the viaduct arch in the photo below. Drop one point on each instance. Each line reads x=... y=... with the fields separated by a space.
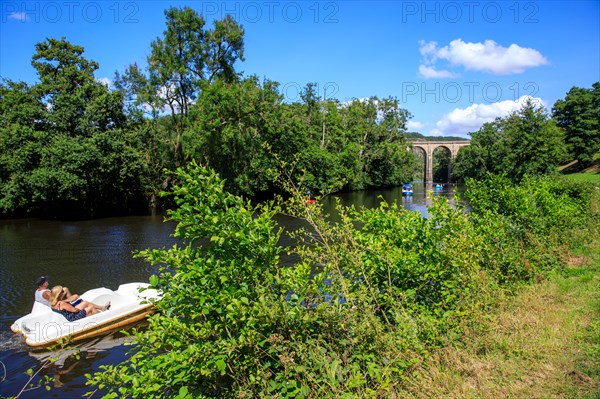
x=429 y=147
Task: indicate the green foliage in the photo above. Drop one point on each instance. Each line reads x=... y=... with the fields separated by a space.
x=232 y=124
x=356 y=312
x=579 y=115
x=403 y=260
x=62 y=148
x=414 y=136
x=186 y=59
x=76 y=104
x=526 y=224
x=524 y=143
x=441 y=165
x=367 y=297
x=71 y=147
x=210 y=334
x=352 y=146
x=244 y=131
x=542 y=205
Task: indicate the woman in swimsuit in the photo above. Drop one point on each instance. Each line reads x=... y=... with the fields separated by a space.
x=59 y=304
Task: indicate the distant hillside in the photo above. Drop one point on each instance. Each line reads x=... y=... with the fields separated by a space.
x=414 y=136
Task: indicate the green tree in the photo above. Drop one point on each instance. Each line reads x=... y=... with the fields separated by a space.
x=350 y=146
x=527 y=142
x=236 y=128
x=185 y=60
x=536 y=143
x=63 y=150
x=77 y=104
x=441 y=164
x=133 y=85
x=488 y=146
x=579 y=115
x=376 y=128
x=22 y=117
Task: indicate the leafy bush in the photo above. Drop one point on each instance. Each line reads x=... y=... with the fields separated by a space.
x=525 y=224
x=367 y=298
x=358 y=310
x=212 y=320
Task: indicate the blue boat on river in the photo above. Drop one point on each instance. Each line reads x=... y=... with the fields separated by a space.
x=407 y=189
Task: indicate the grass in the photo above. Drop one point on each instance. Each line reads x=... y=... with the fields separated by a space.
x=542 y=343
x=590 y=174
x=591 y=177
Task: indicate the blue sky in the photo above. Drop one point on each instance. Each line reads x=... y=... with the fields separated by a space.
x=453 y=64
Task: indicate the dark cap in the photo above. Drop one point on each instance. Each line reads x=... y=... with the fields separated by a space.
x=41 y=280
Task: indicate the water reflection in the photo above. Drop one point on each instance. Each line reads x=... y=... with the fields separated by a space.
x=63 y=370
x=418 y=201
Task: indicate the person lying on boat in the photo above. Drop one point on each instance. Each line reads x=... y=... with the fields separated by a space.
x=59 y=304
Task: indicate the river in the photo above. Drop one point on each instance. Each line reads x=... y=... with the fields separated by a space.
x=87 y=254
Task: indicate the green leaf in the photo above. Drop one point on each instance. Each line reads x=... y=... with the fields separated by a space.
x=221 y=365
x=183 y=392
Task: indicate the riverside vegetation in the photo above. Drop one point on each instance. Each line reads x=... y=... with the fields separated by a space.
x=368 y=304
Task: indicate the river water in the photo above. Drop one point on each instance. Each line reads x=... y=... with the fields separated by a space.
x=87 y=254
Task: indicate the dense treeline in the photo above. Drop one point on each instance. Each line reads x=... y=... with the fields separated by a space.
x=65 y=144
x=531 y=142
x=70 y=146
x=414 y=136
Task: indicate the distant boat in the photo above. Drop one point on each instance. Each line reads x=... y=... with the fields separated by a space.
x=309 y=197
x=407 y=189
x=438 y=186
x=43 y=326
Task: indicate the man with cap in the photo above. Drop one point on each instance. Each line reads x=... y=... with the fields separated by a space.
x=42 y=294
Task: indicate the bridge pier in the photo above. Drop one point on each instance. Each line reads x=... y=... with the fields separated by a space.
x=429 y=166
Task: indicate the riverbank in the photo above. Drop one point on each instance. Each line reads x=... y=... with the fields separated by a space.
x=542 y=343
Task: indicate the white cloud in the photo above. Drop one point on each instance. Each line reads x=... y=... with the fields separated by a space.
x=414 y=126
x=428 y=50
x=488 y=56
x=430 y=72
x=19 y=16
x=462 y=121
x=106 y=81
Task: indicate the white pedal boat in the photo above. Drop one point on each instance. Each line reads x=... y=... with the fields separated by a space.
x=43 y=326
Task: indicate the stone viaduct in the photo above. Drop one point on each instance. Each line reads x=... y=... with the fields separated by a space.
x=428 y=147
